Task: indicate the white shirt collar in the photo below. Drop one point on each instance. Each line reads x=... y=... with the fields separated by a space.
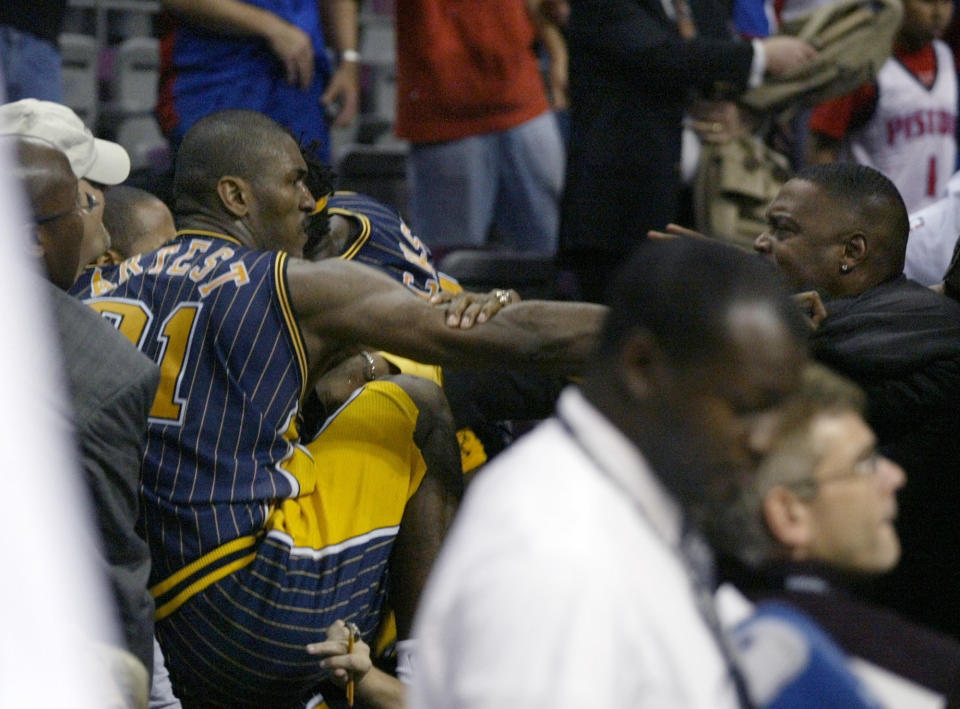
x=621 y=460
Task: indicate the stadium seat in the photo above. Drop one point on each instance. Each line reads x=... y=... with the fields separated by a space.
x=79 y=55
x=376 y=170
x=532 y=275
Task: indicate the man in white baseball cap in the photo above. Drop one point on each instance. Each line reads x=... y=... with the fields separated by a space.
x=91 y=158
x=95 y=162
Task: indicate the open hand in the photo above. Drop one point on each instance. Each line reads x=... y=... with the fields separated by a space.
x=787 y=54
x=293 y=48
x=466 y=307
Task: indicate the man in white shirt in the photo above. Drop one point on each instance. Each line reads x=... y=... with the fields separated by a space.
x=567 y=580
x=933 y=236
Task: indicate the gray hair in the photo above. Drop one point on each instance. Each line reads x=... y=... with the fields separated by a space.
x=740 y=529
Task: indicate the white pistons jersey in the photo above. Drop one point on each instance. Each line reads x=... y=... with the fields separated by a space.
x=911 y=137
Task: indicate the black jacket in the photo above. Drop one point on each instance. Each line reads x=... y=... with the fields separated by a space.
x=901 y=343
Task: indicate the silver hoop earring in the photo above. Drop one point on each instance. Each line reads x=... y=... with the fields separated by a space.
x=844 y=268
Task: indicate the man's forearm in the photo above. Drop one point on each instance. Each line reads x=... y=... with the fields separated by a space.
x=378 y=690
x=340 y=16
x=342 y=303
x=550 y=337
x=225 y=16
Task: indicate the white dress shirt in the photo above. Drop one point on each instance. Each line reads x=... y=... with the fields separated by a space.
x=560 y=585
x=933 y=236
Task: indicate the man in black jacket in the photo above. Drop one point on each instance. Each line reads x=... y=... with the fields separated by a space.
x=841 y=230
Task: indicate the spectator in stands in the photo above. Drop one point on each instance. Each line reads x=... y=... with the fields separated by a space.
x=268 y=56
x=633 y=67
x=842 y=229
x=137 y=221
x=904 y=123
x=604 y=573
x=817 y=520
x=111 y=388
x=30 y=64
x=485 y=148
x=934 y=231
x=235 y=507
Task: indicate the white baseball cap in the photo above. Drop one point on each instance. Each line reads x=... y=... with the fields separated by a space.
x=95 y=159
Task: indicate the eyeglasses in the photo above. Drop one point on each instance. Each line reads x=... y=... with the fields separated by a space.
x=865 y=468
x=86 y=203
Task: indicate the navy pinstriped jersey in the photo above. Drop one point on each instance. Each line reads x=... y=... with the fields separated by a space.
x=222 y=437
x=386 y=243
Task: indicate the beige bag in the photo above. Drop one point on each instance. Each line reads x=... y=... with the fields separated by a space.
x=853 y=39
x=734 y=183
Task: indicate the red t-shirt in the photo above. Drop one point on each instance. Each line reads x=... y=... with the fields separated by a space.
x=465 y=67
x=839 y=116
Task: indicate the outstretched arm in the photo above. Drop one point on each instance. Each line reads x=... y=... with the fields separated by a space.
x=342 y=303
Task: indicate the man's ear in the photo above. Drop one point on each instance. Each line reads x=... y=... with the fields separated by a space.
x=787 y=517
x=854 y=250
x=234 y=193
x=641 y=361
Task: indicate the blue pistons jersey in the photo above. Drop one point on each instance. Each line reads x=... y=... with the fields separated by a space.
x=386 y=243
x=222 y=441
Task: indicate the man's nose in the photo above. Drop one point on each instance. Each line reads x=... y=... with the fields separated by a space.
x=307 y=202
x=890 y=474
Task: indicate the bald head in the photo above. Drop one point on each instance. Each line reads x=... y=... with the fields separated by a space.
x=137 y=221
x=867 y=200
x=41 y=169
x=51 y=188
x=231 y=142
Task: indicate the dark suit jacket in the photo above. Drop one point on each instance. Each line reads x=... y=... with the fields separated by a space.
x=630 y=76
x=111 y=388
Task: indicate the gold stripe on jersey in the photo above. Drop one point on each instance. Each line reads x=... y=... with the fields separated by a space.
x=365 y=462
x=177 y=589
x=431 y=372
x=280 y=277
x=448 y=284
x=365 y=230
